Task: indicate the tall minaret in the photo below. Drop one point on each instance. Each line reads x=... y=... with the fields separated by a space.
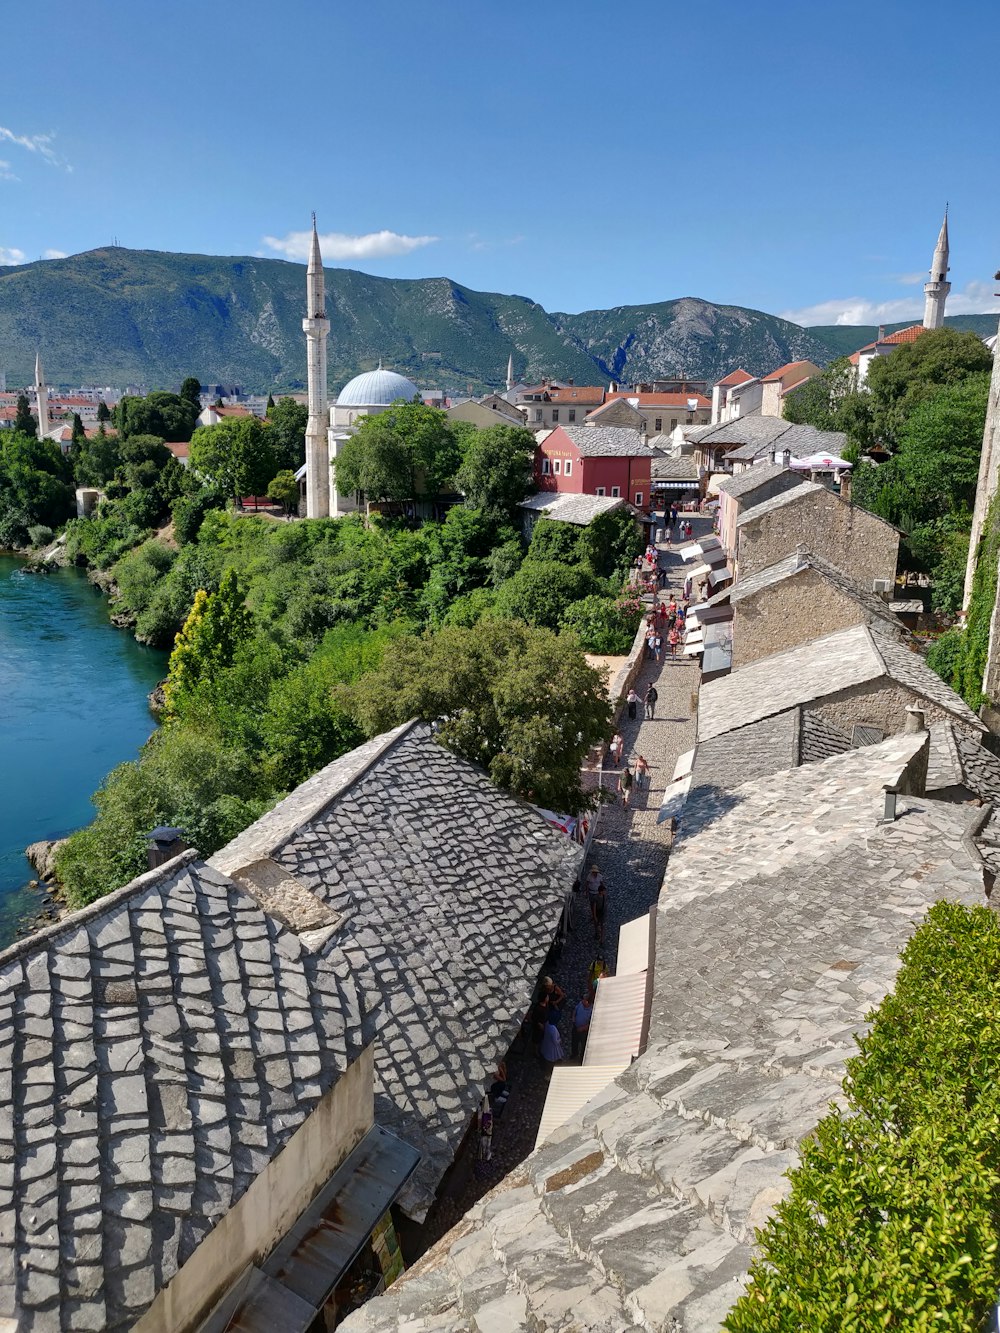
x=510 y=372
x=42 y=394
x=936 y=291
x=316 y=326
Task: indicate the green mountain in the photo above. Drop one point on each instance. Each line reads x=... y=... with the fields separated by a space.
x=116 y=316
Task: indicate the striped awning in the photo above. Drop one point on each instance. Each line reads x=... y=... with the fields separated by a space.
x=635 y=945
x=570 y=1089
x=620 y=1025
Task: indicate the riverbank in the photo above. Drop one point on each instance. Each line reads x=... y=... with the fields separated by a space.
x=73 y=705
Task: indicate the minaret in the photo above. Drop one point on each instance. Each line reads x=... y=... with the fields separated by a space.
x=316 y=326
x=42 y=395
x=510 y=372
x=936 y=291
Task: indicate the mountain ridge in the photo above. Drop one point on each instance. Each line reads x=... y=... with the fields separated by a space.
x=152 y=317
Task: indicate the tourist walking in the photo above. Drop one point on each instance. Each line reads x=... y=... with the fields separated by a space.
x=616 y=747
x=552 y=1047
x=595 y=882
x=600 y=908
x=674 y=640
x=582 y=1015
x=642 y=771
x=650 y=700
x=633 y=701
x=625 y=785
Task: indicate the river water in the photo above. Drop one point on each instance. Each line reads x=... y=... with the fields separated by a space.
x=72 y=705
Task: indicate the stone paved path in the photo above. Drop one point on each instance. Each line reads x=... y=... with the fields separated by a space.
x=631 y=850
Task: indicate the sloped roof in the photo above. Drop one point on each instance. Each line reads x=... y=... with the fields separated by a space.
x=163 y=1045
x=815 y=670
x=451 y=892
x=681 y=468
x=799 y=439
x=735 y=377
x=608 y=441
x=799 y=369
x=744 y=430
x=577 y=393
x=876 y=610
x=743 y=484
x=577 y=509
x=640 y=1211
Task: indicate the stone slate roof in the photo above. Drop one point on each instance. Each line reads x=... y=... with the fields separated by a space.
x=577 y=509
x=752 y=752
x=744 y=430
x=608 y=442
x=876 y=610
x=956 y=760
x=745 y=483
x=783 y=912
x=797 y=494
x=160 y=1048
x=800 y=439
x=675 y=469
x=448 y=892
x=819 y=739
x=816 y=670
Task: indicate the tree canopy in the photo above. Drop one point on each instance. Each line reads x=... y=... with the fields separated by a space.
x=167 y=415
x=407 y=451
x=237 y=456
x=521 y=702
x=287 y=420
x=496 y=471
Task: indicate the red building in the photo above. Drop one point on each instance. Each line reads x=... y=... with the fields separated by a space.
x=596 y=460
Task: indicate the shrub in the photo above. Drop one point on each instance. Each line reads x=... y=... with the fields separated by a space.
x=945 y=656
x=893 y=1215
x=39 y=534
x=602 y=624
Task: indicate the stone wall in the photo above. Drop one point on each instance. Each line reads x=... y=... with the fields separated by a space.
x=989 y=469
x=883 y=703
x=792 y=611
x=863 y=546
x=283 y=1190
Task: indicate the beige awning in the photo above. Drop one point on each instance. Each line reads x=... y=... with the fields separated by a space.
x=570 y=1089
x=620 y=1025
x=635 y=945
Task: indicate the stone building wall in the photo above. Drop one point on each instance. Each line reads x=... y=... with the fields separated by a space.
x=863 y=546
x=989 y=469
x=790 y=612
x=883 y=703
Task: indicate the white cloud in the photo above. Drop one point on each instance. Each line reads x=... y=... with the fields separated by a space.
x=54 y=254
x=975 y=298
x=35 y=143
x=338 y=245
x=5 y=172
x=11 y=255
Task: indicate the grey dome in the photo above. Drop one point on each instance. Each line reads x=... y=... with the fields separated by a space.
x=377 y=388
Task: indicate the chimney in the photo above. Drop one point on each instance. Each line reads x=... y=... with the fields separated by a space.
x=881 y=333
x=164 y=843
x=845 y=487
x=786 y=457
x=914 y=720
x=889 y=809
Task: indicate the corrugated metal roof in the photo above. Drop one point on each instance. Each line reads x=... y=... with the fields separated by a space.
x=570 y=1089
x=620 y=1024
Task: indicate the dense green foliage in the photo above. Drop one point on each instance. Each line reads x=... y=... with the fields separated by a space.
x=34 y=486
x=496 y=471
x=960 y=656
x=167 y=415
x=894 y=1212
x=407 y=451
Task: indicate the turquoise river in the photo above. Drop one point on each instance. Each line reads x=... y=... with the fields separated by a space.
x=73 y=704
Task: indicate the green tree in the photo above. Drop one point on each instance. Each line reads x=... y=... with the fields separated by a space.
x=285 y=489
x=103 y=412
x=23 y=419
x=603 y=624
x=95 y=460
x=287 y=421
x=407 y=451
x=521 y=702
x=219 y=622
x=78 y=433
x=166 y=415
x=940 y=445
x=919 y=370
x=270 y=403
x=34 y=485
x=191 y=393
x=236 y=456
x=541 y=590
x=610 y=543
x=496 y=471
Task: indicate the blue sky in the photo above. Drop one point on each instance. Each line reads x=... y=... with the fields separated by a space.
x=791 y=157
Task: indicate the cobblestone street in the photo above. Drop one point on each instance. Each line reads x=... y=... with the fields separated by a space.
x=631 y=850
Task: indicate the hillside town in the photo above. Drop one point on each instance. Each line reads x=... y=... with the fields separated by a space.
x=412 y=1049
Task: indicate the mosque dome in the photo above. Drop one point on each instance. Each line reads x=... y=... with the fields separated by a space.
x=377 y=388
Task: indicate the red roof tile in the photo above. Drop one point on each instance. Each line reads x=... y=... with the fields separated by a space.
x=577 y=393
x=782 y=371
x=662 y=399
x=735 y=377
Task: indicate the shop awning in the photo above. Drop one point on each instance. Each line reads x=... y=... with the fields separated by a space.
x=684 y=765
x=570 y=1089
x=693 y=648
x=290 y=1287
x=719 y=575
x=699 y=571
x=620 y=1025
x=674 y=799
x=635 y=945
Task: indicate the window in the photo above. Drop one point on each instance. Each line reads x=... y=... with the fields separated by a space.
x=616 y=492
x=568 y=469
x=538 y=414
x=555 y=414
x=638 y=497
x=556 y=465
x=599 y=492
x=673 y=423
x=545 y=467
x=658 y=425
x=572 y=415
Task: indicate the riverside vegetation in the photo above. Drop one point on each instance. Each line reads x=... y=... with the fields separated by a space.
x=295 y=641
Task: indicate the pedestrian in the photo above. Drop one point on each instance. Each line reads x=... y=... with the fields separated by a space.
x=668 y=535
x=650 y=700
x=552 y=1047
x=657 y=645
x=539 y=1017
x=598 y=970
x=633 y=701
x=674 y=640
x=554 y=996
x=600 y=907
x=673 y=514
x=594 y=882
x=625 y=785
x=616 y=747
x=642 y=771
x=582 y=1015
x=650 y=643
